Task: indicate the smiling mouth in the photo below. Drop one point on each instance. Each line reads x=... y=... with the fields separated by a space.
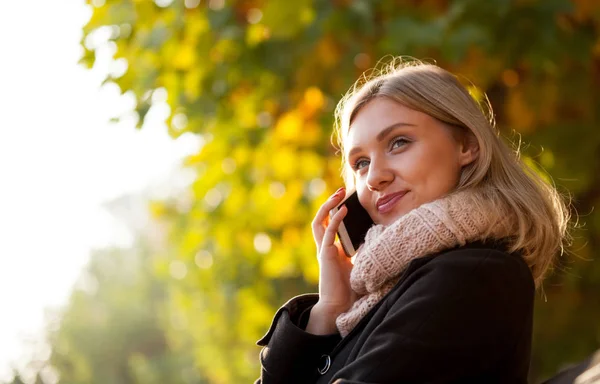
x=389 y=202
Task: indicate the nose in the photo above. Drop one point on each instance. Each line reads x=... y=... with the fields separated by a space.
x=379 y=175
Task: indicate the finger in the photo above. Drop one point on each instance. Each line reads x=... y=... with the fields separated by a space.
x=320 y=221
x=332 y=228
x=328 y=205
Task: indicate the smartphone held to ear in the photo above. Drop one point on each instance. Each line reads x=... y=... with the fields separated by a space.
x=354 y=226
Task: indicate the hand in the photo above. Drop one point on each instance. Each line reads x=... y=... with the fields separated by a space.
x=335 y=294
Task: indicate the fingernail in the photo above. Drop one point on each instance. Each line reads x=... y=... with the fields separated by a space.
x=336 y=193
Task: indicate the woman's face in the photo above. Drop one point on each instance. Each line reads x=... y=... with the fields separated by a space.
x=402 y=158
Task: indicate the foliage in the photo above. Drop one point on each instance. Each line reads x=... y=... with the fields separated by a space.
x=16 y=379
x=258 y=81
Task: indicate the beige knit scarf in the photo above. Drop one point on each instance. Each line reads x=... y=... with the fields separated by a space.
x=442 y=224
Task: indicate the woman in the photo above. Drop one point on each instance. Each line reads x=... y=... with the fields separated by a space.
x=442 y=289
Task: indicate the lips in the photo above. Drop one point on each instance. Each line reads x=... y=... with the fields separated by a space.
x=386 y=203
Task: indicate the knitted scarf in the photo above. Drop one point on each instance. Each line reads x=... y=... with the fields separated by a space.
x=442 y=224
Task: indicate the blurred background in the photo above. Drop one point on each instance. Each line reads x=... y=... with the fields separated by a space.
x=161 y=162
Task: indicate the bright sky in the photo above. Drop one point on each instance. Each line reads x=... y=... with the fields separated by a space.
x=60 y=159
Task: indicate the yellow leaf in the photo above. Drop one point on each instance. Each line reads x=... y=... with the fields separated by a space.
x=547 y=159
x=196 y=26
x=169 y=80
x=289 y=126
x=191 y=83
x=530 y=163
x=241 y=155
x=224 y=50
x=314 y=97
x=307 y=15
x=288 y=208
x=287 y=19
x=157 y=209
x=235 y=202
x=312 y=134
x=244 y=238
x=476 y=93
x=246 y=115
x=291 y=236
x=257 y=33
x=312 y=102
x=311 y=165
x=308 y=258
x=185 y=57
x=257 y=314
x=190 y=242
x=284 y=163
x=222 y=236
x=278 y=263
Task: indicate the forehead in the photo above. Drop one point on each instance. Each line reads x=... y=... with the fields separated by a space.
x=377 y=115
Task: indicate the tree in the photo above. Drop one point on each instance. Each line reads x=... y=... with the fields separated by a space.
x=17 y=378
x=114 y=328
x=258 y=81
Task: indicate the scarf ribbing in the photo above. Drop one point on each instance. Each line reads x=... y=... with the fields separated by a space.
x=442 y=224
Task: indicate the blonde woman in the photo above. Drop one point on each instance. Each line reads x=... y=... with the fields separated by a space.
x=442 y=289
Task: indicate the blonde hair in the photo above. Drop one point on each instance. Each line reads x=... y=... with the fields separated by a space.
x=540 y=216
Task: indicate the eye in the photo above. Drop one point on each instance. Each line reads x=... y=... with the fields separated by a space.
x=398 y=142
x=360 y=163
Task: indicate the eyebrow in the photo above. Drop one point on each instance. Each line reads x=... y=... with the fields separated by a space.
x=381 y=135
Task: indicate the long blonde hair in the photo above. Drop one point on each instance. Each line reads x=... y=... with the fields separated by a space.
x=498 y=174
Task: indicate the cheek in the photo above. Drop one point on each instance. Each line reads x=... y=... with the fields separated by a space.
x=365 y=197
x=433 y=173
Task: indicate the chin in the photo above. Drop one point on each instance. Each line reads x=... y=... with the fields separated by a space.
x=389 y=219
x=393 y=216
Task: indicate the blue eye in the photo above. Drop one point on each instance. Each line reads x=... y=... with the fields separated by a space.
x=399 y=142
x=360 y=163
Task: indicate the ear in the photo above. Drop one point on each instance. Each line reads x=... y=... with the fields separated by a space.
x=468 y=149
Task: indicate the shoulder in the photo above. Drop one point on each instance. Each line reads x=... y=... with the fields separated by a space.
x=475 y=290
x=477 y=263
x=471 y=303
x=474 y=275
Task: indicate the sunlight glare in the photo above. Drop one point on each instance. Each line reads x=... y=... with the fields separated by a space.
x=262 y=242
x=203 y=259
x=177 y=269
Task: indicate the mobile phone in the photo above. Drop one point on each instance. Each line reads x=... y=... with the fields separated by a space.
x=354 y=226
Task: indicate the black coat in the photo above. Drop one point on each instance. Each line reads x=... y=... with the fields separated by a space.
x=461 y=316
